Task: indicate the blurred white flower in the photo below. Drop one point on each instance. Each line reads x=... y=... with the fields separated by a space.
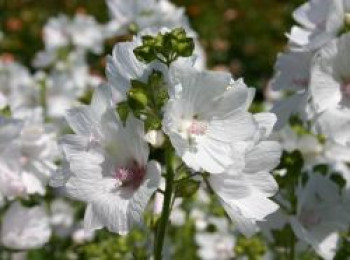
x=86 y=33
x=320 y=215
x=25 y=228
x=11 y=182
x=146 y=14
x=292 y=77
x=28 y=150
x=216 y=245
x=109 y=165
x=292 y=71
x=17 y=87
x=62 y=217
x=319 y=22
x=330 y=89
x=140 y=15
x=56 y=32
x=313 y=150
x=38 y=149
x=81 y=235
x=82 y=32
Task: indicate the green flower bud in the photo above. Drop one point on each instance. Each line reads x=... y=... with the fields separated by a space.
x=145 y=53
x=179 y=33
x=186 y=188
x=137 y=98
x=185 y=48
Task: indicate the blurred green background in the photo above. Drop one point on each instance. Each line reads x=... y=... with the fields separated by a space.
x=243 y=36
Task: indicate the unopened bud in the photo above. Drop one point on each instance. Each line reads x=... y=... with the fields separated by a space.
x=155 y=138
x=137 y=98
x=347 y=19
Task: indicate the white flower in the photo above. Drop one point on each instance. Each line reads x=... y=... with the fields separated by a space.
x=82 y=31
x=320 y=215
x=109 y=165
x=28 y=150
x=81 y=235
x=330 y=88
x=25 y=228
x=154 y=14
x=146 y=14
x=62 y=214
x=86 y=33
x=292 y=74
x=292 y=71
x=123 y=66
x=320 y=21
x=244 y=191
x=17 y=87
x=205 y=114
x=66 y=83
x=314 y=152
x=38 y=149
x=296 y=104
x=216 y=245
x=56 y=32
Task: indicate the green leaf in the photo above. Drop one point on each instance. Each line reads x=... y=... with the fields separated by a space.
x=186 y=188
x=123 y=111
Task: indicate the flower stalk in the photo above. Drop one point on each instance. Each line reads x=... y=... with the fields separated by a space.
x=166 y=208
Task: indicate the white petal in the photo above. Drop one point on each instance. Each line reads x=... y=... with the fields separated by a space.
x=91 y=221
x=266 y=121
x=143 y=194
x=263 y=157
x=102 y=99
x=83 y=121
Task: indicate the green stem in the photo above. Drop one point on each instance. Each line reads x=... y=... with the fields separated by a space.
x=292 y=246
x=163 y=221
x=43 y=98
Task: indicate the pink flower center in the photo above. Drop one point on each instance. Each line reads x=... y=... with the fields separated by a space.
x=309 y=218
x=197 y=127
x=300 y=82
x=131 y=175
x=345 y=89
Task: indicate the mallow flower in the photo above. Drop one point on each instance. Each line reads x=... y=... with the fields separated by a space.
x=11 y=182
x=25 y=228
x=216 y=245
x=37 y=149
x=320 y=215
x=108 y=165
x=146 y=14
x=123 y=66
x=205 y=114
x=244 y=188
x=17 y=86
x=137 y=16
x=292 y=76
x=330 y=88
x=319 y=22
x=28 y=150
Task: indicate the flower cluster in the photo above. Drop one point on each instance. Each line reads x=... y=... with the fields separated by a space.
x=313 y=119
x=159 y=153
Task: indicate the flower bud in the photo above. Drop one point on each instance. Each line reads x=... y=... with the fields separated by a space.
x=155 y=138
x=347 y=19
